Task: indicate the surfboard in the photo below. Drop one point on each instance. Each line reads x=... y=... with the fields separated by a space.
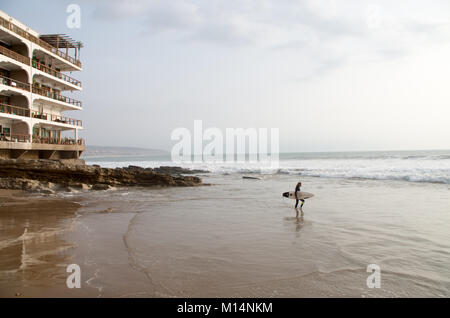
x=301 y=195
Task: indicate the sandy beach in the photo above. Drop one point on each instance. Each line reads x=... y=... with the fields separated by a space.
x=237 y=238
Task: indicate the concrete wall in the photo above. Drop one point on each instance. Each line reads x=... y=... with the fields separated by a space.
x=21 y=49
x=5 y=122
x=39 y=154
x=21 y=76
x=47 y=108
x=20 y=128
x=37 y=77
x=19 y=101
x=25 y=154
x=4 y=154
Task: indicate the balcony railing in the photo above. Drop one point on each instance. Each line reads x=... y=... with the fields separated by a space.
x=56 y=96
x=14 y=138
x=14 y=28
x=14 y=110
x=57 y=118
x=14 y=55
x=57 y=141
x=14 y=83
x=55 y=73
x=41 y=140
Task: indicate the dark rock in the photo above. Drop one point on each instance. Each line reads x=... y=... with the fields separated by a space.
x=54 y=175
x=134 y=168
x=177 y=170
x=28 y=185
x=101 y=186
x=251 y=178
x=78 y=186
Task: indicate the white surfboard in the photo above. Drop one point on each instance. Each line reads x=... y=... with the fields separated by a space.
x=301 y=195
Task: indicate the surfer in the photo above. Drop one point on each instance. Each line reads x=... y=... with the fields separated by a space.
x=297 y=189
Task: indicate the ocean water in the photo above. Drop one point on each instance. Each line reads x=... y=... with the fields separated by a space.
x=239 y=237
x=416 y=166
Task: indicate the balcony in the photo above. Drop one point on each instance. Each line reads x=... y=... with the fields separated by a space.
x=14 y=138
x=14 y=110
x=41 y=140
x=56 y=96
x=14 y=55
x=55 y=73
x=57 y=141
x=19 y=31
x=13 y=83
x=57 y=119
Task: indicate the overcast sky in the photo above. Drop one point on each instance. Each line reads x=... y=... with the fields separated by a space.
x=332 y=75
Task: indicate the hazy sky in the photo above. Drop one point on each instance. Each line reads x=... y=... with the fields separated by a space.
x=332 y=75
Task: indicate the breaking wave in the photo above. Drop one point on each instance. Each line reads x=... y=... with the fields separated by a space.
x=420 y=166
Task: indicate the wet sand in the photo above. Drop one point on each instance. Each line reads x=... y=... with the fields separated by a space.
x=32 y=249
x=238 y=238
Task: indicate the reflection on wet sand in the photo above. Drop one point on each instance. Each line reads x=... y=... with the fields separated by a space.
x=33 y=251
x=297 y=220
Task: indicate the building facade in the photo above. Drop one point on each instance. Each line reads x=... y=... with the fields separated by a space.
x=34 y=93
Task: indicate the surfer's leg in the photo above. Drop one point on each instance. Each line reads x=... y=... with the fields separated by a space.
x=296 y=203
x=303 y=202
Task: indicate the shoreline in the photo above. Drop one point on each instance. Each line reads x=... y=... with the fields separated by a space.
x=122 y=238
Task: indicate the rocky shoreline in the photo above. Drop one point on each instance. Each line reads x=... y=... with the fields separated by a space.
x=50 y=176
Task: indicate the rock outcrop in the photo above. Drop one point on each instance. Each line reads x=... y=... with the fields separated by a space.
x=178 y=170
x=50 y=175
x=251 y=178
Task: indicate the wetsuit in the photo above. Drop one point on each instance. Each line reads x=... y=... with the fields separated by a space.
x=297 y=189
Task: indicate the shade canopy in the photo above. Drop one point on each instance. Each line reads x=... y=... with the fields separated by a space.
x=61 y=41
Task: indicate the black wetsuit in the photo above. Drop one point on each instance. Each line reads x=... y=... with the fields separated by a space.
x=297 y=189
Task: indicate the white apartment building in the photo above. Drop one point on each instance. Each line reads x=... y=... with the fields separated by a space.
x=35 y=93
